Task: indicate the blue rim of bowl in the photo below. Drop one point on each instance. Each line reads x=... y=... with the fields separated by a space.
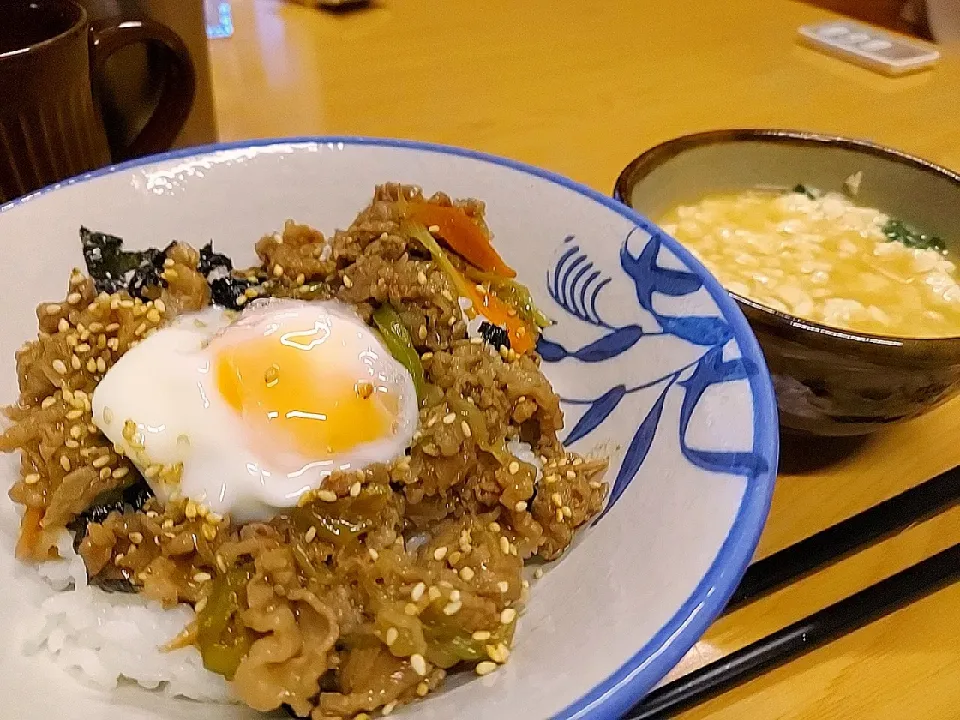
x=613 y=697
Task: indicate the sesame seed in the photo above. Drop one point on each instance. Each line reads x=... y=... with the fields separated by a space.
x=520 y=506
x=454 y=557
x=467 y=574
x=422 y=332
x=411 y=609
x=209 y=531
x=190 y=510
x=59 y=366
x=31 y=479
x=388 y=708
x=452 y=608
x=310 y=534
x=167 y=524
x=422 y=689
x=433 y=592
x=82 y=348
x=112 y=327
x=74 y=414
x=355 y=489
x=201 y=604
x=426 y=356
x=454 y=596
x=481 y=635
x=392 y=635
x=559 y=515
x=557 y=499
x=168 y=262
x=136 y=538
x=271 y=376
x=538 y=573
x=514 y=467
x=485 y=668
x=214 y=517
x=434 y=228
x=567 y=512
x=170 y=274
x=140 y=329
x=503 y=586
x=202 y=577
x=440 y=553
x=422 y=277
x=48 y=402
x=418 y=664
x=452 y=321
x=101 y=365
x=418 y=590
x=63 y=325
x=53 y=309
x=153 y=315
x=595 y=485
x=159 y=305
x=504 y=545
x=550 y=479
x=126 y=304
x=508 y=616
x=65 y=463
x=494 y=526
x=374 y=555
x=347 y=282
x=221 y=563
x=104 y=473
x=75 y=362
x=326 y=495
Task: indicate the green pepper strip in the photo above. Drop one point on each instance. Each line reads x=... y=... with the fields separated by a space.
x=222 y=640
x=398 y=342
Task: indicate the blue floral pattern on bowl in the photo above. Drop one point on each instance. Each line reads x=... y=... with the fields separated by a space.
x=577 y=285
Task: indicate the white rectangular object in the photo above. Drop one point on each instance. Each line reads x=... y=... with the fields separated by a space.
x=868 y=47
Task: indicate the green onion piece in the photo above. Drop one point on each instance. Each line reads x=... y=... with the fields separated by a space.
x=398 y=342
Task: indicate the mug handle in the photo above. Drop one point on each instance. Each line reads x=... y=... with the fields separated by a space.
x=109 y=36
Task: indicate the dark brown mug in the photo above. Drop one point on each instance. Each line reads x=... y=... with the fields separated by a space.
x=51 y=127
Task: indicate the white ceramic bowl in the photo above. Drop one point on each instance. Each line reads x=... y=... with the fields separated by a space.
x=656 y=364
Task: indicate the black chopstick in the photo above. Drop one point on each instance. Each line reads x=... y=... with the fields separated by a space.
x=836 y=542
x=813 y=631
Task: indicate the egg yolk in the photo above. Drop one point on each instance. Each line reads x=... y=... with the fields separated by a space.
x=307 y=387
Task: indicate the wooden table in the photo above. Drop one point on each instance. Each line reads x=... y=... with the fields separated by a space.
x=581 y=88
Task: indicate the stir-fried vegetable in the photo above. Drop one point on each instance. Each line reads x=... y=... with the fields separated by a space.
x=397 y=339
x=462 y=233
x=514 y=294
x=221 y=637
x=522 y=337
x=345 y=520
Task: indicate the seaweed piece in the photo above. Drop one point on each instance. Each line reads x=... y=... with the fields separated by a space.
x=134 y=496
x=112 y=585
x=228 y=291
x=899 y=231
x=107 y=262
x=810 y=192
x=213 y=263
x=494 y=335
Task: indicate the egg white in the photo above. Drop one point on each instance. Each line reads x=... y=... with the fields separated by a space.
x=166 y=387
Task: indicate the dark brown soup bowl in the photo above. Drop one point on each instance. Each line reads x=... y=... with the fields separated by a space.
x=828 y=381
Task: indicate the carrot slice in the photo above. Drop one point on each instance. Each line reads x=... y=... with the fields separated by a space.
x=463 y=234
x=522 y=337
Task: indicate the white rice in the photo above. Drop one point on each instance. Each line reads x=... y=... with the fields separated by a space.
x=106 y=639
x=524 y=453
